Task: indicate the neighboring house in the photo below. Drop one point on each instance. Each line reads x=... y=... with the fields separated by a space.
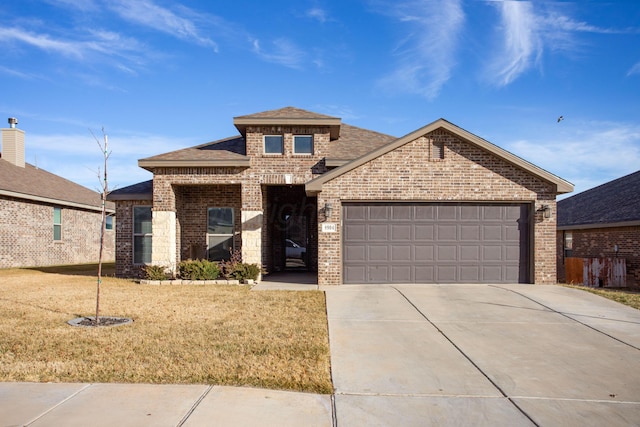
x=45 y=219
x=602 y=222
x=439 y=205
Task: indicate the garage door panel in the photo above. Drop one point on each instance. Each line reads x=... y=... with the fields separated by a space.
x=401 y=253
x=424 y=274
x=354 y=232
x=424 y=253
x=378 y=213
x=355 y=253
x=379 y=253
x=446 y=253
x=469 y=233
x=446 y=273
x=424 y=232
x=401 y=274
x=399 y=213
x=355 y=274
x=436 y=243
x=470 y=253
x=401 y=232
x=378 y=232
x=448 y=232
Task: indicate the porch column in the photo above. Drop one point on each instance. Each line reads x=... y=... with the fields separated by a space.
x=252 y=215
x=163 y=222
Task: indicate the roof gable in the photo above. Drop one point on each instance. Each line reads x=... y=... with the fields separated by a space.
x=614 y=202
x=562 y=186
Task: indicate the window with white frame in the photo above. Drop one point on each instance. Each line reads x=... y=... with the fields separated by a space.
x=57 y=224
x=142 y=234
x=108 y=225
x=273 y=144
x=219 y=233
x=303 y=144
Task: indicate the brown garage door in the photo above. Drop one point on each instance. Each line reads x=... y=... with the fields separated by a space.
x=435 y=243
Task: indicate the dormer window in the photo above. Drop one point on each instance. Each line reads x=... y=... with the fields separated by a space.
x=273 y=144
x=303 y=144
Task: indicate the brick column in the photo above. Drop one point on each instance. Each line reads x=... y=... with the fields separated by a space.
x=163 y=222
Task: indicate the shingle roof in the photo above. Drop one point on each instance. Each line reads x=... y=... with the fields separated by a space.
x=355 y=142
x=288 y=113
x=139 y=191
x=33 y=183
x=228 y=151
x=617 y=201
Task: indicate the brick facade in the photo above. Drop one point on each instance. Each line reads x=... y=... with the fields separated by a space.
x=599 y=243
x=26 y=235
x=437 y=166
x=466 y=173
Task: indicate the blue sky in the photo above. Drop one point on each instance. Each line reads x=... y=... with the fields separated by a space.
x=162 y=75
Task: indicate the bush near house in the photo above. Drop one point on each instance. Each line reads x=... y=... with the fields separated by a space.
x=200 y=269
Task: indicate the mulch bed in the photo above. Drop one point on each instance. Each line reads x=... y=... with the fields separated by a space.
x=89 y=322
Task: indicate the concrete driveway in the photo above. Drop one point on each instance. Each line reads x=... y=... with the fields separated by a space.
x=462 y=355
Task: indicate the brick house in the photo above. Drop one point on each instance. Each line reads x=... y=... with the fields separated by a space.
x=299 y=190
x=602 y=222
x=44 y=218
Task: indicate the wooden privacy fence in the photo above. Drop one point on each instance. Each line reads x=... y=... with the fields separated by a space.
x=597 y=272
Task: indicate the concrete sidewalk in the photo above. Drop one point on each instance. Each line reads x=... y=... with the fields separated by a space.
x=137 y=405
x=414 y=355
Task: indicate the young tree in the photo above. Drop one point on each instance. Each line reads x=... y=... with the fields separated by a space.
x=104 y=184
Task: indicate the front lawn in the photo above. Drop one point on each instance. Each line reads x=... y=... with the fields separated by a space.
x=627 y=297
x=181 y=334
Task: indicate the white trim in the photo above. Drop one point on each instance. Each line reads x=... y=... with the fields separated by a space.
x=603 y=225
x=294 y=145
x=264 y=145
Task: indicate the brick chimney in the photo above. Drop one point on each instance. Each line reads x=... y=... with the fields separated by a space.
x=13 y=143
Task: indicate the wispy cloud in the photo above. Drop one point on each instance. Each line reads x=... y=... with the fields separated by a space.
x=317 y=14
x=634 y=70
x=521 y=44
x=280 y=51
x=427 y=55
x=527 y=30
x=587 y=154
x=44 y=42
x=149 y=14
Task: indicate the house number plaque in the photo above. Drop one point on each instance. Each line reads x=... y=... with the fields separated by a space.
x=329 y=227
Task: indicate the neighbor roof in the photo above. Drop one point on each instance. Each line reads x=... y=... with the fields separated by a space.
x=562 y=186
x=615 y=203
x=32 y=183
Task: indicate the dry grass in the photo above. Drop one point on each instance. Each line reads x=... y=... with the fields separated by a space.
x=181 y=334
x=623 y=296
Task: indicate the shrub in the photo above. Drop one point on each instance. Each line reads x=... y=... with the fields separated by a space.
x=198 y=270
x=155 y=272
x=244 y=271
x=229 y=266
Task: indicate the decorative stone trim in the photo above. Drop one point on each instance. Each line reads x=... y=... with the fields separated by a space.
x=189 y=282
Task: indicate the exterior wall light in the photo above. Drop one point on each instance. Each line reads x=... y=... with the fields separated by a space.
x=328 y=210
x=545 y=210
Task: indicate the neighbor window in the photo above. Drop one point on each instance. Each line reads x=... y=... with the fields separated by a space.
x=273 y=144
x=142 y=237
x=108 y=223
x=568 y=244
x=219 y=233
x=57 y=223
x=303 y=144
